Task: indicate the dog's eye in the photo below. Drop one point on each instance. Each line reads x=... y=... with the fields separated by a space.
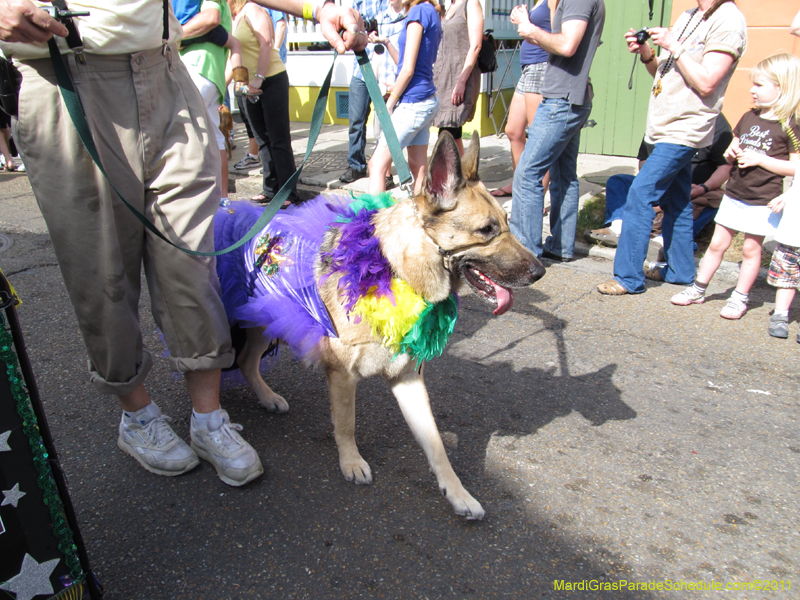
x=487 y=230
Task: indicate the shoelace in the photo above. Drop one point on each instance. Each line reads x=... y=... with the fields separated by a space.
x=159 y=429
x=225 y=436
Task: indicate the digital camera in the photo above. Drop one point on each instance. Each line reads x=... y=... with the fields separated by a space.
x=642 y=36
x=371 y=25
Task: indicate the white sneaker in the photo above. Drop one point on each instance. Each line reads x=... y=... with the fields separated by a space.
x=155 y=446
x=234 y=459
x=733 y=310
x=688 y=296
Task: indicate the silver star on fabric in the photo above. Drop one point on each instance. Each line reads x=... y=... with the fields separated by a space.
x=12 y=496
x=33 y=579
x=4 y=447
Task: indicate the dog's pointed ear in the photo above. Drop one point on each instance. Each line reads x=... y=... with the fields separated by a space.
x=444 y=173
x=469 y=163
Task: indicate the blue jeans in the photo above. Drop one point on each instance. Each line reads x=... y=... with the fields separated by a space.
x=665 y=180
x=553 y=140
x=617 y=188
x=358 y=109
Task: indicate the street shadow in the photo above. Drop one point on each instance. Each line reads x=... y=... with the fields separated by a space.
x=301 y=530
x=601 y=177
x=516 y=401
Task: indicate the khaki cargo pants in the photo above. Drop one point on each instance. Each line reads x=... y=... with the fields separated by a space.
x=150 y=127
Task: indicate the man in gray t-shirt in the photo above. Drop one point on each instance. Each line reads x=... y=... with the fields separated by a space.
x=554 y=135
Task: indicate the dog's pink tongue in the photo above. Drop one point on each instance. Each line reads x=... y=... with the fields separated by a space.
x=505 y=299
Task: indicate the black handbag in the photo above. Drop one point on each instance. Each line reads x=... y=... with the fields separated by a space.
x=487 y=58
x=10 y=80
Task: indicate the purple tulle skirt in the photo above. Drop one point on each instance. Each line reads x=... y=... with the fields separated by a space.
x=269 y=281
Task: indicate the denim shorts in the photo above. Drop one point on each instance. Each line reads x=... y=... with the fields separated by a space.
x=412 y=122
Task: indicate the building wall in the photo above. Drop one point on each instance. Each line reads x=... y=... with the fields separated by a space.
x=767 y=33
x=619 y=113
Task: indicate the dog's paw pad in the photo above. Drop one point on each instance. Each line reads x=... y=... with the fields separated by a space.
x=359 y=473
x=467 y=507
x=275 y=404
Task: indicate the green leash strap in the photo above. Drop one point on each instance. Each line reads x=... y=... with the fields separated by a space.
x=75 y=109
x=403 y=172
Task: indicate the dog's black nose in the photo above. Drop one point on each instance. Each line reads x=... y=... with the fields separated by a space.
x=536 y=270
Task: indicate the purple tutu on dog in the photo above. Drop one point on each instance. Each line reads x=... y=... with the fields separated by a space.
x=269 y=281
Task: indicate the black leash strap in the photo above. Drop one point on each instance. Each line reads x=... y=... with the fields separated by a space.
x=74 y=40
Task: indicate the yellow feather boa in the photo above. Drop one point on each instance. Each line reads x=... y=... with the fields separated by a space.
x=391 y=321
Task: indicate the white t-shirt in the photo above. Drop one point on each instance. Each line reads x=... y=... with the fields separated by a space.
x=113 y=27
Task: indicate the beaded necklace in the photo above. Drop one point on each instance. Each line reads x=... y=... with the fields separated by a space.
x=657 y=89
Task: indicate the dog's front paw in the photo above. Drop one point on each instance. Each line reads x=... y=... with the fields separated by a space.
x=357 y=471
x=465 y=505
x=274 y=403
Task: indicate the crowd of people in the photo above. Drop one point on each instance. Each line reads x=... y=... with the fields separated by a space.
x=703 y=49
x=158 y=63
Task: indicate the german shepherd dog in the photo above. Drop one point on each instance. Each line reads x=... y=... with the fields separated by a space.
x=451 y=234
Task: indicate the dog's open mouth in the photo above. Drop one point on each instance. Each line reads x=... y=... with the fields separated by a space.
x=495 y=293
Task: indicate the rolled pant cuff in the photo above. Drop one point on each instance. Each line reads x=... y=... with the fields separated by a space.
x=120 y=388
x=202 y=363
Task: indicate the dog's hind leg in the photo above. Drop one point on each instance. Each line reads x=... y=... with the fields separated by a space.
x=412 y=396
x=248 y=361
x=342 y=388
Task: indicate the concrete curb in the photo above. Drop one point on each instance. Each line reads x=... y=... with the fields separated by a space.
x=728 y=271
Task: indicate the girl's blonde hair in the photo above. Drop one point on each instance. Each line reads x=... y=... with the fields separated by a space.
x=783 y=70
x=409 y=4
x=236 y=6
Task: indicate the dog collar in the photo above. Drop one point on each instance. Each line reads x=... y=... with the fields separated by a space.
x=448 y=255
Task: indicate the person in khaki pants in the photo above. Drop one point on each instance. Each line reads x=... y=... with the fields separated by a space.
x=150 y=127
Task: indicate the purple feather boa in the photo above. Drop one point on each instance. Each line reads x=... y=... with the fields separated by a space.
x=358 y=258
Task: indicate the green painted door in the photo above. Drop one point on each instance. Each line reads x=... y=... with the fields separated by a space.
x=619 y=113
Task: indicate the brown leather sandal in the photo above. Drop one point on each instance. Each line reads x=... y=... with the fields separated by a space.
x=612 y=287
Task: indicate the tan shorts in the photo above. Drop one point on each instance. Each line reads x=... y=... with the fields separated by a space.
x=150 y=127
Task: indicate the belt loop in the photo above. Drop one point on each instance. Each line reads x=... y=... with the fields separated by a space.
x=72 y=60
x=166 y=50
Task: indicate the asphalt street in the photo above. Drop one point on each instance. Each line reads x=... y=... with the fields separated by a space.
x=610 y=440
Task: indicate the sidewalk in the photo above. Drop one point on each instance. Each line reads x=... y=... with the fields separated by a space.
x=329 y=160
